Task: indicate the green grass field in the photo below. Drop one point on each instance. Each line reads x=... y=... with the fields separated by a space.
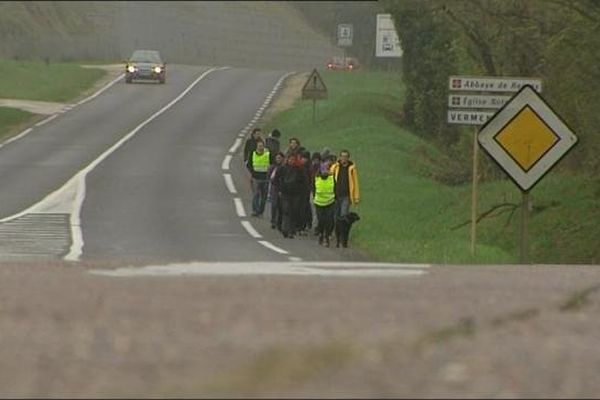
x=407 y=217
x=12 y=121
x=34 y=80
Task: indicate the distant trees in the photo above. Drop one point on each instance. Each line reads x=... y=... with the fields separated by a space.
x=556 y=40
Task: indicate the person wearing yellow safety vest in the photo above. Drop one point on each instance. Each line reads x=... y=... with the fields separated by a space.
x=258 y=164
x=324 y=200
x=346 y=184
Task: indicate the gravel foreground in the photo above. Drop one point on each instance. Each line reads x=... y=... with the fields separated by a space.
x=457 y=331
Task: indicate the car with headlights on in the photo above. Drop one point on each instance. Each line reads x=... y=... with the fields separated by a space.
x=145 y=65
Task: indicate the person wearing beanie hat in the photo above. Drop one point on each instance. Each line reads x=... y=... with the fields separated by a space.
x=272 y=143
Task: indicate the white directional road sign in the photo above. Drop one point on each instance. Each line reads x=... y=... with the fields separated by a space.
x=526 y=138
x=476 y=101
x=387 y=43
x=467 y=117
x=492 y=84
x=345 y=34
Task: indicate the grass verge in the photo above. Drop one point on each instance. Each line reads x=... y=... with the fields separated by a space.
x=13 y=121
x=36 y=80
x=409 y=217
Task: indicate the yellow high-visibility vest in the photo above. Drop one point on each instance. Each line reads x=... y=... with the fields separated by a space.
x=260 y=162
x=324 y=191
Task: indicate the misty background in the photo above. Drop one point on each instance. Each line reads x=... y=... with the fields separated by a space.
x=272 y=35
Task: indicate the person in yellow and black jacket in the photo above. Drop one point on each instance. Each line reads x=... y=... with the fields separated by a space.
x=258 y=164
x=346 y=184
x=324 y=200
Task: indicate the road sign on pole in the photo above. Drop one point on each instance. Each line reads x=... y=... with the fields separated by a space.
x=314 y=89
x=461 y=112
x=387 y=43
x=526 y=138
x=492 y=83
x=476 y=101
x=345 y=34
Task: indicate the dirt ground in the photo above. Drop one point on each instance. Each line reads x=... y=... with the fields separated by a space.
x=455 y=332
x=289 y=93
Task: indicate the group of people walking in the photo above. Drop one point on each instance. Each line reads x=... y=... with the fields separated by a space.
x=296 y=182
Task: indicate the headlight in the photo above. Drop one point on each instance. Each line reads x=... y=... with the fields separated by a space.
x=131 y=68
x=157 y=69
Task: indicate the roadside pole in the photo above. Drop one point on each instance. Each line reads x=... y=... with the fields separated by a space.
x=526 y=138
x=474 y=100
x=474 y=190
x=524 y=234
x=314 y=89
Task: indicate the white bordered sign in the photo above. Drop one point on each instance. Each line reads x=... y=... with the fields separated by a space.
x=345 y=34
x=469 y=117
x=476 y=101
x=387 y=43
x=526 y=138
x=491 y=84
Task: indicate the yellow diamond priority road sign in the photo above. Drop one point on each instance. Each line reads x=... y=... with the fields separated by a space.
x=526 y=138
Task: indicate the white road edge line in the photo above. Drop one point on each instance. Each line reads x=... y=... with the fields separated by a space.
x=236 y=144
x=250 y=229
x=99 y=91
x=45 y=121
x=239 y=207
x=272 y=247
x=229 y=183
x=77 y=244
x=26 y=131
x=77 y=182
x=226 y=162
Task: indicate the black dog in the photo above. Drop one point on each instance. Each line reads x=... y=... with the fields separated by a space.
x=342 y=228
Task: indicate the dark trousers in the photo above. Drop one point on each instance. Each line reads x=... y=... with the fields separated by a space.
x=259 y=197
x=325 y=219
x=342 y=206
x=290 y=207
x=276 y=214
x=306 y=212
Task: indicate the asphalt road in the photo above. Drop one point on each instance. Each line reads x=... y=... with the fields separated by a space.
x=162 y=304
x=136 y=174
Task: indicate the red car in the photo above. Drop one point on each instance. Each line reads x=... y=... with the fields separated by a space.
x=341 y=63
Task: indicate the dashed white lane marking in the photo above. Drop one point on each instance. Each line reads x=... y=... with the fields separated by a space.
x=229 y=183
x=250 y=229
x=236 y=144
x=69 y=197
x=99 y=92
x=226 y=162
x=350 y=269
x=45 y=121
x=271 y=246
x=239 y=207
x=17 y=137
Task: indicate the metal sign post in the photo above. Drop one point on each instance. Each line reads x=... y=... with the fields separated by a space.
x=524 y=233
x=314 y=89
x=465 y=109
x=474 y=190
x=526 y=138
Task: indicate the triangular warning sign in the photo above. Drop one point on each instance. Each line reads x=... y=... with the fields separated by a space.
x=314 y=88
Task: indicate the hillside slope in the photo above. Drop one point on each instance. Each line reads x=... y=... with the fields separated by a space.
x=258 y=34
